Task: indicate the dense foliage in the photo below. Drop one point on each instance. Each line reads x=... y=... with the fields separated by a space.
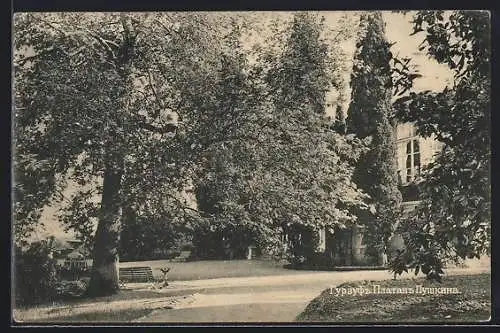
x=101 y=101
x=453 y=220
x=116 y=106
x=151 y=237
x=369 y=115
x=315 y=163
x=35 y=274
x=167 y=129
x=293 y=172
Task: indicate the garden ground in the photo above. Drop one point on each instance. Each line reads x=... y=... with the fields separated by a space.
x=218 y=296
x=403 y=301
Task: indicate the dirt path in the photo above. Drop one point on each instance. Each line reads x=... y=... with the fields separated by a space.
x=262 y=299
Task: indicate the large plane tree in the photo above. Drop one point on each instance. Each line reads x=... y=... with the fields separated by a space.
x=105 y=96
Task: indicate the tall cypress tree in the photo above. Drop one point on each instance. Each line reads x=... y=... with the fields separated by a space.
x=368 y=115
x=339 y=124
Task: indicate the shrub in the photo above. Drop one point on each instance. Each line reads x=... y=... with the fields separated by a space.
x=73 y=273
x=35 y=275
x=71 y=288
x=320 y=261
x=397 y=263
x=187 y=247
x=302 y=243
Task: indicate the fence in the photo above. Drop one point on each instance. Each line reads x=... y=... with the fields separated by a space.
x=74 y=269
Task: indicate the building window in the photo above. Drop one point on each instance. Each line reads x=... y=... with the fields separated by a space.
x=412 y=160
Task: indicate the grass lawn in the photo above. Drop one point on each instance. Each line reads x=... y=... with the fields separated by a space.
x=89 y=309
x=108 y=316
x=123 y=295
x=212 y=269
x=473 y=304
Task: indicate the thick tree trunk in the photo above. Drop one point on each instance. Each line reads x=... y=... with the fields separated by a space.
x=104 y=276
x=104 y=279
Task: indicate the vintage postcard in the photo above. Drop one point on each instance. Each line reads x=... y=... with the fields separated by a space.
x=251 y=167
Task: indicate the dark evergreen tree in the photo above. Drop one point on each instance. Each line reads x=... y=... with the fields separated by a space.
x=339 y=124
x=368 y=116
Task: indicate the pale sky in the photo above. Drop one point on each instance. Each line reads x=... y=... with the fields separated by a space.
x=398 y=29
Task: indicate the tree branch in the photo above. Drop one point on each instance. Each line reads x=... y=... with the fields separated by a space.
x=142 y=123
x=62 y=32
x=104 y=43
x=154 y=90
x=184 y=207
x=163 y=26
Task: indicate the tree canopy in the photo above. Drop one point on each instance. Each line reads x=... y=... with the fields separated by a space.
x=100 y=95
x=136 y=107
x=453 y=220
x=297 y=171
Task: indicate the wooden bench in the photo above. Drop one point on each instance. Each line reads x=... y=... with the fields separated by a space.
x=136 y=274
x=183 y=256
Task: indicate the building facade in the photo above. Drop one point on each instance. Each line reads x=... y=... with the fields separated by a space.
x=346 y=247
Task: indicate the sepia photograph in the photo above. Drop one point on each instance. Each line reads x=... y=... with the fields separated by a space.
x=328 y=167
